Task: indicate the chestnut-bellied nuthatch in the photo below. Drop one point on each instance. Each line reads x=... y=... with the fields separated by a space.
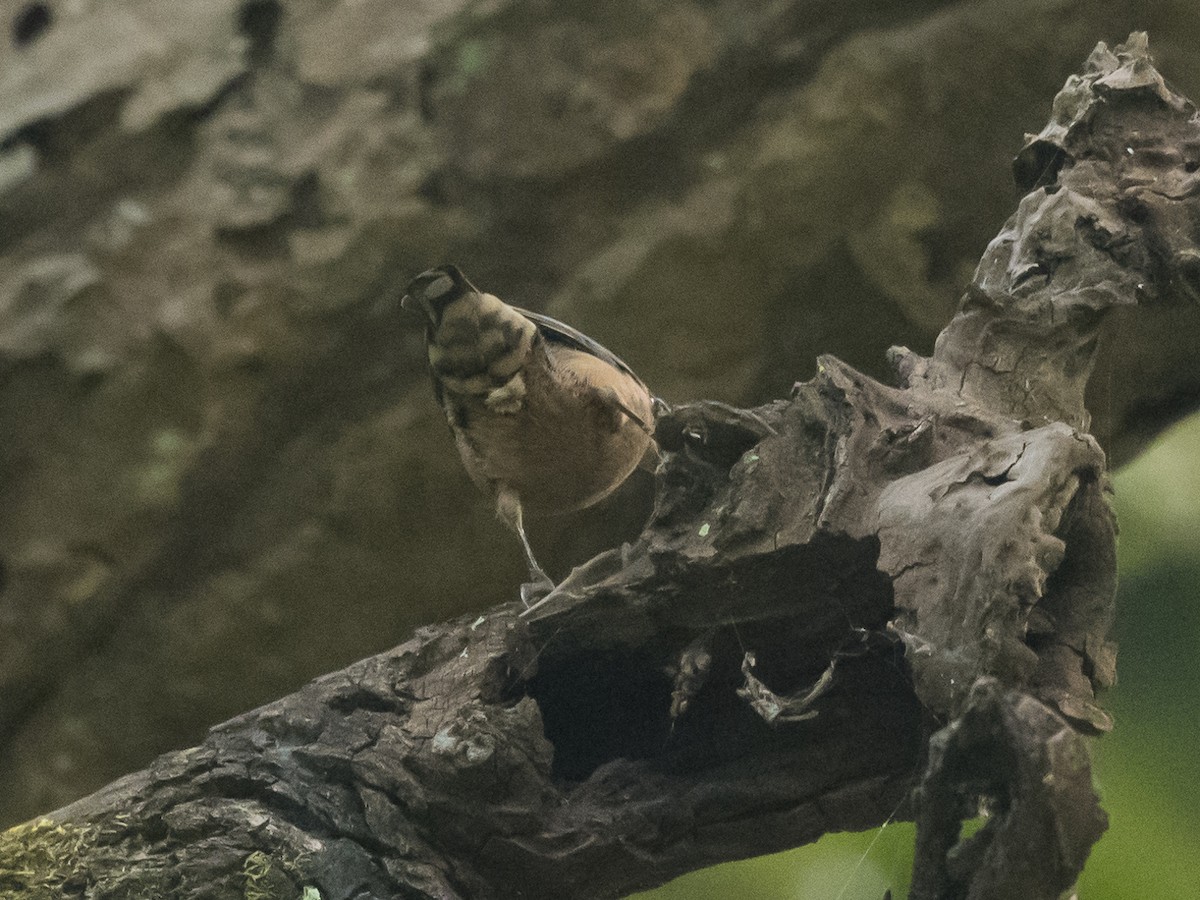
x=546 y=420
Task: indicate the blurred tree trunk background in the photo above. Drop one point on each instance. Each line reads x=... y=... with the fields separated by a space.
x=221 y=472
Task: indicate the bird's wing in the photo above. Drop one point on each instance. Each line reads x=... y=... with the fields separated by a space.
x=557 y=332
x=561 y=333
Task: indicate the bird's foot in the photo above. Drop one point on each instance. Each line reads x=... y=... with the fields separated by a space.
x=536 y=589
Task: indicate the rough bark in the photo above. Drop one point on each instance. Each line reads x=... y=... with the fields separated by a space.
x=219 y=462
x=937 y=556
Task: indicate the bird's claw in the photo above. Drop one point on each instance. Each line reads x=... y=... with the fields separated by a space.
x=537 y=589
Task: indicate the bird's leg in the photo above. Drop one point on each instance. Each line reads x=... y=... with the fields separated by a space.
x=508 y=507
x=539 y=584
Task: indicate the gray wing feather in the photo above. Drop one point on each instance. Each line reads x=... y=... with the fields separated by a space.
x=561 y=333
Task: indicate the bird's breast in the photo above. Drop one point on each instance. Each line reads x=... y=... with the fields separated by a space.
x=557 y=438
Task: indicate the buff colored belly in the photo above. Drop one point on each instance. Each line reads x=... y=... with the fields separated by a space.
x=561 y=452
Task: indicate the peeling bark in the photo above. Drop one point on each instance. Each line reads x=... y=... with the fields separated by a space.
x=935 y=557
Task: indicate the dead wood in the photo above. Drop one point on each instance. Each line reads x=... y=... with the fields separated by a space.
x=937 y=555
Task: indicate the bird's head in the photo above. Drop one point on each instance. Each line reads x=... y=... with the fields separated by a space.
x=435 y=289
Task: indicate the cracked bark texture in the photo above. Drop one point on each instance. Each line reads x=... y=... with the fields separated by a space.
x=944 y=541
x=220 y=467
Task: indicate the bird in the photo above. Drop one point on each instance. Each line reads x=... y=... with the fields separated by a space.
x=547 y=421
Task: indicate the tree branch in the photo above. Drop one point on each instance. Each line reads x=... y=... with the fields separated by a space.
x=936 y=557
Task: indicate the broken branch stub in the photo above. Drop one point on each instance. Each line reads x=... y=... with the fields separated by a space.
x=1030 y=776
x=926 y=567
